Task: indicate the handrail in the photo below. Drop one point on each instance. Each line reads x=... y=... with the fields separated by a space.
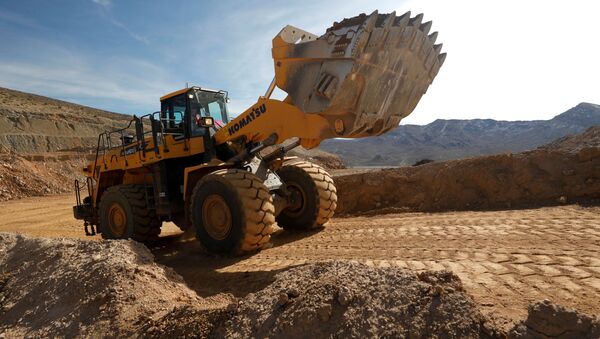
x=105 y=139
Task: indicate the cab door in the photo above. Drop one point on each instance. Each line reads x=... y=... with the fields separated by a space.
x=174 y=116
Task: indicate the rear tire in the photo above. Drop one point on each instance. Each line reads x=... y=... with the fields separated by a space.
x=315 y=196
x=124 y=214
x=232 y=212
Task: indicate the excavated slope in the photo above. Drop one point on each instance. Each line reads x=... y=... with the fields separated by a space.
x=31 y=123
x=567 y=170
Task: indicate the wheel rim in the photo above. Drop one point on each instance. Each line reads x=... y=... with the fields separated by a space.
x=296 y=208
x=216 y=217
x=117 y=220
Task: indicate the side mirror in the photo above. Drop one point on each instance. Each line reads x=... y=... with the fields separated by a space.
x=204 y=121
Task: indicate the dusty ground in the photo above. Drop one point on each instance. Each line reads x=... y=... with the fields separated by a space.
x=505 y=259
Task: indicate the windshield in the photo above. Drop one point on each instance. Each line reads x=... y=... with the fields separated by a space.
x=210 y=104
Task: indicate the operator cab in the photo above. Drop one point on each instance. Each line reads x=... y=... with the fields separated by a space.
x=189 y=111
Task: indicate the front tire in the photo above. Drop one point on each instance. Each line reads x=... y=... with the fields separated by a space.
x=313 y=193
x=124 y=214
x=232 y=212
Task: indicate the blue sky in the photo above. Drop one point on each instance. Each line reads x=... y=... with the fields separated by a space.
x=524 y=61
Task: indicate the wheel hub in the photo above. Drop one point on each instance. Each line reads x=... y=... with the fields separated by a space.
x=216 y=217
x=117 y=219
x=296 y=200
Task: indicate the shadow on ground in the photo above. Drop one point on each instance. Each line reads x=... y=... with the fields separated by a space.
x=204 y=273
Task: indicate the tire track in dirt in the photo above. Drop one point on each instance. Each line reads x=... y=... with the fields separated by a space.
x=506 y=259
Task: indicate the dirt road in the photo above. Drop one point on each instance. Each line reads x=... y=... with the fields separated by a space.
x=506 y=259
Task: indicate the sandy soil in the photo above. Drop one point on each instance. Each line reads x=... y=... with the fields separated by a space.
x=505 y=259
x=349 y=300
x=68 y=288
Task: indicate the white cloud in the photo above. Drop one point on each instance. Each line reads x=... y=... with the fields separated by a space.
x=131 y=33
x=104 y=3
x=120 y=83
x=106 y=6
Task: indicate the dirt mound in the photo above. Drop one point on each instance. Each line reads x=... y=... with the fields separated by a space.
x=40 y=174
x=341 y=299
x=565 y=171
x=63 y=287
x=575 y=143
x=547 y=320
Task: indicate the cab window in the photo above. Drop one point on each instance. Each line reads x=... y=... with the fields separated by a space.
x=173 y=113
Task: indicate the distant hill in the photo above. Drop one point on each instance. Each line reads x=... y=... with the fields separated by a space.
x=31 y=123
x=453 y=139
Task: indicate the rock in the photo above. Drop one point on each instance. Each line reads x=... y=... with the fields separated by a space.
x=344 y=296
x=232 y=307
x=293 y=293
x=282 y=299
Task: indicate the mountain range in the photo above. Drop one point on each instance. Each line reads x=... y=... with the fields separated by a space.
x=454 y=139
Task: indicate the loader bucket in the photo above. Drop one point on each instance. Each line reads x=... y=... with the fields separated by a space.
x=363 y=75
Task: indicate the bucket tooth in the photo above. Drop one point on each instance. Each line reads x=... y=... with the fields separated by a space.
x=438 y=48
x=416 y=21
x=371 y=21
x=433 y=37
x=426 y=27
x=442 y=58
x=402 y=21
x=389 y=21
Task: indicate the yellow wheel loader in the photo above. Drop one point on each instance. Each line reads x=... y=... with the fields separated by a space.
x=191 y=164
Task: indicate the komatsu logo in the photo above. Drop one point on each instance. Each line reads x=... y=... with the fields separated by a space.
x=255 y=113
